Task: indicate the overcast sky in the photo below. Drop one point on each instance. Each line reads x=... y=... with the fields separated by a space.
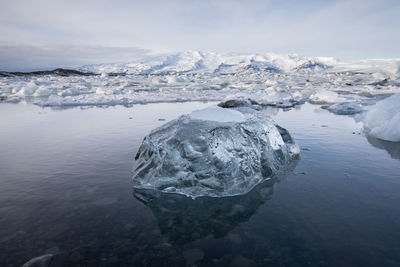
x=48 y=33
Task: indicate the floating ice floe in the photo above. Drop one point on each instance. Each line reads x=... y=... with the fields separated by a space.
x=213 y=152
x=383 y=120
x=345 y=108
x=269 y=79
x=325 y=96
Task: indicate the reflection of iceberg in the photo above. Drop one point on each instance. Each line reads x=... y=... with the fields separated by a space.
x=393 y=148
x=183 y=219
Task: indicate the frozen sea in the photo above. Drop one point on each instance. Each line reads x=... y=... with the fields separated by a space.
x=66 y=190
x=68 y=141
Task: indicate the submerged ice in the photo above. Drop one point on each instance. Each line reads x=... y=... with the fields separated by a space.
x=178 y=215
x=213 y=152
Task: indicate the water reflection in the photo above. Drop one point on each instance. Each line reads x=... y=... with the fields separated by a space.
x=182 y=219
x=393 y=148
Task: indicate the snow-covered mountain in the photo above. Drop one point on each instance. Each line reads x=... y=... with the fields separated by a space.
x=209 y=62
x=196 y=61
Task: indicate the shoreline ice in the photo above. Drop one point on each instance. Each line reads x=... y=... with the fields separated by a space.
x=282 y=81
x=194 y=76
x=202 y=76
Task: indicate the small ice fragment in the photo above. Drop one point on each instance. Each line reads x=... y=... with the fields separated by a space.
x=324 y=96
x=344 y=108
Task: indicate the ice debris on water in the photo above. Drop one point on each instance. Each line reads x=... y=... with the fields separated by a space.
x=270 y=79
x=382 y=121
x=344 y=108
x=325 y=96
x=213 y=152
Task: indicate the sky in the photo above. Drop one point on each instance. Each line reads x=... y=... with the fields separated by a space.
x=44 y=34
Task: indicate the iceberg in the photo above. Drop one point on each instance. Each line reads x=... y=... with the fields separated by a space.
x=213 y=152
x=344 y=108
x=382 y=121
x=324 y=97
x=283 y=81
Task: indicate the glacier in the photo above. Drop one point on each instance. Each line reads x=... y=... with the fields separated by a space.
x=213 y=152
x=269 y=79
x=282 y=81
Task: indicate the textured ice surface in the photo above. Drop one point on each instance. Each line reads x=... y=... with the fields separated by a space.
x=383 y=120
x=207 y=157
x=269 y=79
x=325 y=96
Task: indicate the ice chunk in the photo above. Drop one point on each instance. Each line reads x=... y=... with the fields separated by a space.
x=239 y=102
x=324 y=96
x=29 y=89
x=383 y=120
x=228 y=155
x=312 y=65
x=344 y=108
x=43 y=91
x=283 y=81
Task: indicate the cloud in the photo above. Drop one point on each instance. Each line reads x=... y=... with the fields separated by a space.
x=339 y=28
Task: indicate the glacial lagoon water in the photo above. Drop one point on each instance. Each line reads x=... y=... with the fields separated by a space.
x=66 y=190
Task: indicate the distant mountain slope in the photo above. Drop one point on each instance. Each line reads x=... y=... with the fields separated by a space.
x=229 y=63
x=196 y=61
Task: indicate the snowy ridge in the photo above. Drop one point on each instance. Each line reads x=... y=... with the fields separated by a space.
x=208 y=62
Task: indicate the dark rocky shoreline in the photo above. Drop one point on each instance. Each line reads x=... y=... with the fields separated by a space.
x=58 y=71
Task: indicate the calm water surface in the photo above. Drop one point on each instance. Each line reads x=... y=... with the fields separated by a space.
x=65 y=189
